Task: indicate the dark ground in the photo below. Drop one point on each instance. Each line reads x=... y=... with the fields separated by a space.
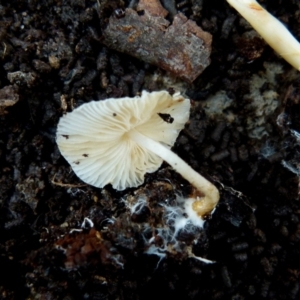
x=242 y=135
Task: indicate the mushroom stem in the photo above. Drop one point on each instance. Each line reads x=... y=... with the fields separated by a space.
x=271 y=30
x=203 y=206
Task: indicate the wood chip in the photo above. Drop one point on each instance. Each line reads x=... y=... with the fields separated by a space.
x=153 y=7
x=181 y=48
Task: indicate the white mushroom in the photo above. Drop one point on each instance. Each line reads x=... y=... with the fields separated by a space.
x=117 y=141
x=271 y=29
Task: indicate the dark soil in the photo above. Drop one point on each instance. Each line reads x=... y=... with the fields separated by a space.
x=243 y=135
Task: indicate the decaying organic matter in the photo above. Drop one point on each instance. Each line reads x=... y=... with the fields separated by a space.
x=181 y=48
x=83 y=248
x=8 y=97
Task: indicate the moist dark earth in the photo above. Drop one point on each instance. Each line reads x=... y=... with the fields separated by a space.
x=243 y=135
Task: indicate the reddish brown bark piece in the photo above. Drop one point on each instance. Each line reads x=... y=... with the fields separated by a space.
x=153 y=7
x=182 y=48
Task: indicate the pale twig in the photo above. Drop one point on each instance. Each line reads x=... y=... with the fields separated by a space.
x=68 y=185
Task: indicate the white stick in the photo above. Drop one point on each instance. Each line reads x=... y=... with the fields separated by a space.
x=271 y=30
x=211 y=193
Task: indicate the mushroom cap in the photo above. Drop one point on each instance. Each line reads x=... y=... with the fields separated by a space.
x=94 y=137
